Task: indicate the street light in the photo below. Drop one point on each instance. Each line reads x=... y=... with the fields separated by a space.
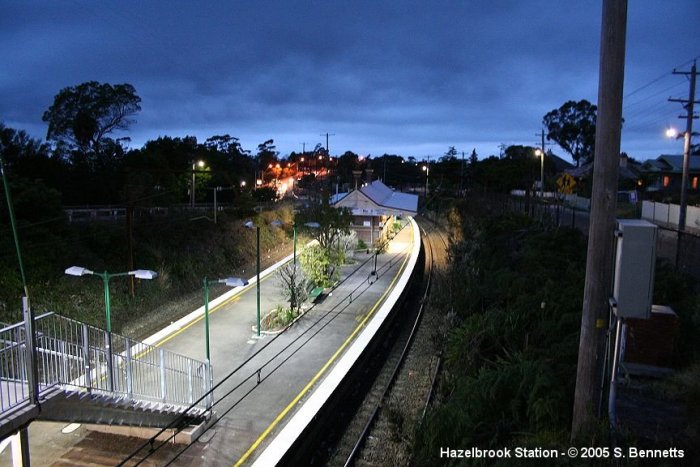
x=426 y=169
x=195 y=164
x=539 y=153
x=139 y=274
x=229 y=281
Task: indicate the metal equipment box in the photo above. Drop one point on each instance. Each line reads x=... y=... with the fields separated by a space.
x=635 y=260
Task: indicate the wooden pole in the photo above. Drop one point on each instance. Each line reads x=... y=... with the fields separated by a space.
x=599 y=262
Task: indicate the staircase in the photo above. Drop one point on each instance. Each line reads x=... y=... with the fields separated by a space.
x=84 y=374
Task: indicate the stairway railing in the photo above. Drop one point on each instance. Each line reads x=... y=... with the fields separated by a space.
x=76 y=356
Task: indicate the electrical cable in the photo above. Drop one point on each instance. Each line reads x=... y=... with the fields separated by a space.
x=387 y=265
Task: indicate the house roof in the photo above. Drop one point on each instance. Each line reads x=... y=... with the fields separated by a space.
x=560 y=165
x=628 y=170
x=675 y=163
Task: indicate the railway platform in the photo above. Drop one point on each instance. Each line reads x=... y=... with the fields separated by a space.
x=260 y=383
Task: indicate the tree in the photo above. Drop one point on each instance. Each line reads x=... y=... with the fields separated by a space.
x=315 y=263
x=572 y=126
x=294 y=285
x=450 y=155
x=31 y=159
x=82 y=116
x=473 y=158
x=226 y=144
x=267 y=154
x=330 y=224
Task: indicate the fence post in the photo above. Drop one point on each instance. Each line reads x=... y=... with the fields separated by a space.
x=129 y=371
x=108 y=357
x=86 y=357
x=679 y=241
x=162 y=373
x=64 y=352
x=30 y=349
x=558 y=206
x=190 y=387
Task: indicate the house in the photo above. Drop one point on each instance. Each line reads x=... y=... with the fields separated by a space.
x=665 y=172
x=374 y=207
x=629 y=172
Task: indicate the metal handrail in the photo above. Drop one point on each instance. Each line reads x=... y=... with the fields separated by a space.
x=75 y=356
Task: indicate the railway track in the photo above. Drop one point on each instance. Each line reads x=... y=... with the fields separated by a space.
x=381 y=430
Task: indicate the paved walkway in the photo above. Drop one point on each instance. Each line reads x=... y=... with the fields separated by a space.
x=273 y=374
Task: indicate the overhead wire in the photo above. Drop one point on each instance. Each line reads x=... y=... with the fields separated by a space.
x=255 y=373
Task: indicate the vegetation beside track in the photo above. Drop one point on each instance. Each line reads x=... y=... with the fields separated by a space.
x=182 y=250
x=511 y=301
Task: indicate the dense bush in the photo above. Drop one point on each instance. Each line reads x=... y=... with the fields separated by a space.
x=181 y=249
x=510 y=362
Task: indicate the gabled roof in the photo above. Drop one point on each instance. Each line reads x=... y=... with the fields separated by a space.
x=560 y=165
x=628 y=169
x=676 y=162
x=375 y=199
x=386 y=197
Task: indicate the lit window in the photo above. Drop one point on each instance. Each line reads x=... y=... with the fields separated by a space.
x=695 y=183
x=667 y=180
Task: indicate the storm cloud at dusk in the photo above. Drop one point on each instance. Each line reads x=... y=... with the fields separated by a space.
x=409 y=78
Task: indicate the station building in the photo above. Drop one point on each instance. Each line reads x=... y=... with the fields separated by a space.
x=375 y=207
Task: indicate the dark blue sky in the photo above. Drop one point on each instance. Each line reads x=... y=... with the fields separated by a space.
x=405 y=77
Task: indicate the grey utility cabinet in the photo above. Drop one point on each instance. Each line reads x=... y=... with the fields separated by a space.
x=635 y=259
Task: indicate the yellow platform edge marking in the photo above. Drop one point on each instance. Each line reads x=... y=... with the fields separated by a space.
x=318 y=375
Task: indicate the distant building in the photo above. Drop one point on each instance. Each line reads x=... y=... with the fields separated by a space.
x=374 y=207
x=665 y=173
x=629 y=174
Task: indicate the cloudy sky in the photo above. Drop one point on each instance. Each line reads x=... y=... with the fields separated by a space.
x=402 y=77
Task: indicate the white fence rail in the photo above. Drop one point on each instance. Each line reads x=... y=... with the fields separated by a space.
x=663 y=213
x=73 y=355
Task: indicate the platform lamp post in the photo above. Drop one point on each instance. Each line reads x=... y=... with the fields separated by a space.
x=250 y=225
x=139 y=274
x=229 y=281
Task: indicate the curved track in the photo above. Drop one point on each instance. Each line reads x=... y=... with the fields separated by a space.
x=401 y=366
x=404 y=384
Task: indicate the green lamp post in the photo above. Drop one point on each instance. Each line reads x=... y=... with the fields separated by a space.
x=139 y=274
x=229 y=281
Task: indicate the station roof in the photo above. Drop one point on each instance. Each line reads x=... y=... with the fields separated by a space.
x=376 y=199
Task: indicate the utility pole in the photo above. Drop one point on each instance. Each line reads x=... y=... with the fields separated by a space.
x=327 y=135
x=541 y=133
x=689 y=116
x=461 y=175
x=599 y=260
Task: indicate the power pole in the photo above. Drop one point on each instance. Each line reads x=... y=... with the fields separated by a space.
x=541 y=133
x=689 y=116
x=327 y=135
x=461 y=175
x=599 y=261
